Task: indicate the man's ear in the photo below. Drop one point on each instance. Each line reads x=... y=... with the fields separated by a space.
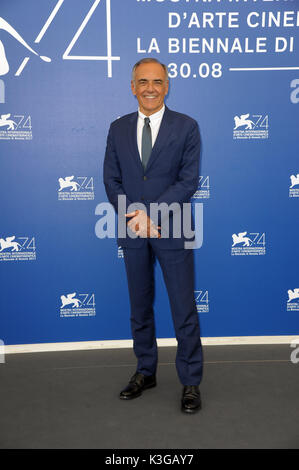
x=133 y=87
x=167 y=89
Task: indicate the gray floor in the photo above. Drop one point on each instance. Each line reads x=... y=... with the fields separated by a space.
x=70 y=400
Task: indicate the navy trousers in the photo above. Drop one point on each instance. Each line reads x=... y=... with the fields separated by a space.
x=178 y=272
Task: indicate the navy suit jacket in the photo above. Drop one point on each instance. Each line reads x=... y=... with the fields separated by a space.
x=171 y=174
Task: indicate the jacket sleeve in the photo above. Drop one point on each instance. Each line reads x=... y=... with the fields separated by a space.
x=112 y=174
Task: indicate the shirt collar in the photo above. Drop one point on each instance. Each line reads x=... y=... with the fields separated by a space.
x=153 y=117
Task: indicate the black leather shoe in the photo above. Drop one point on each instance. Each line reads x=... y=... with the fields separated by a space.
x=137 y=384
x=191 y=401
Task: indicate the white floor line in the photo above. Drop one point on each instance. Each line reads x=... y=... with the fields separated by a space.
x=162 y=342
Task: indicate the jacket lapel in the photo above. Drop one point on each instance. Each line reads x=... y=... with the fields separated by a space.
x=132 y=135
x=162 y=137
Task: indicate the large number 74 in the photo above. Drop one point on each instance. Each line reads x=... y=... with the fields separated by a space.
x=109 y=58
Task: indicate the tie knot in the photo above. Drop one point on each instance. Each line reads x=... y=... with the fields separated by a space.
x=147 y=121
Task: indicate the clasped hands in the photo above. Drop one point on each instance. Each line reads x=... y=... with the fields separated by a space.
x=142 y=225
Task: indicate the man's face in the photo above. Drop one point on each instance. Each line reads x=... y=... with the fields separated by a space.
x=150 y=87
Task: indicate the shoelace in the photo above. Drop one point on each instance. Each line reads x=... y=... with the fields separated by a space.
x=190 y=391
x=137 y=378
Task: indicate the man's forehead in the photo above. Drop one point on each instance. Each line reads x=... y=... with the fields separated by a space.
x=151 y=70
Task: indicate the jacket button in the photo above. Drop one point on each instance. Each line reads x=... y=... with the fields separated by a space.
x=144 y=178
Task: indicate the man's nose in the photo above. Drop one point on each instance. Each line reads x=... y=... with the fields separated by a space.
x=150 y=86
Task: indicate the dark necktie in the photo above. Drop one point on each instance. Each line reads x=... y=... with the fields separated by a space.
x=146 y=146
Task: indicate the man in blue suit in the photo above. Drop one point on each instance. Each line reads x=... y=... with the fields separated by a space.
x=152 y=158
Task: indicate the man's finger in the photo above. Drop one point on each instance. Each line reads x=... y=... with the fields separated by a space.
x=134 y=227
x=132 y=214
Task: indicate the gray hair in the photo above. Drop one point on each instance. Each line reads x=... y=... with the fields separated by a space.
x=148 y=60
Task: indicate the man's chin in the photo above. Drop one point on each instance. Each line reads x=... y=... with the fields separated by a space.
x=154 y=108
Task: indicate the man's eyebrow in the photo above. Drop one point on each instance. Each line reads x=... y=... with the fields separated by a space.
x=146 y=80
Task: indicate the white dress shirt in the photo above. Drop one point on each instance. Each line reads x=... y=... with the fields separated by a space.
x=155 y=122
